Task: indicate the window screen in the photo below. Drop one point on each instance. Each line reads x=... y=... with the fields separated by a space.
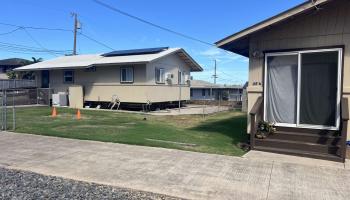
x=318 y=89
x=281 y=90
x=127 y=75
x=160 y=75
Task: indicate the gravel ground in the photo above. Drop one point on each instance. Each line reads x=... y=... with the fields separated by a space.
x=15 y=184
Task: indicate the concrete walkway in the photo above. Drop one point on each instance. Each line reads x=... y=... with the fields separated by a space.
x=172 y=172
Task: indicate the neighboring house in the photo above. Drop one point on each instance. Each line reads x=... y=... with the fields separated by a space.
x=7 y=65
x=299 y=78
x=245 y=98
x=203 y=90
x=139 y=76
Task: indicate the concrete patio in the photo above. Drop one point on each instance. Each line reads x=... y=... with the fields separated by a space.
x=177 y=173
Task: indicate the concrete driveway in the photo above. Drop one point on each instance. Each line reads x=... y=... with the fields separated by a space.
x=172 y=172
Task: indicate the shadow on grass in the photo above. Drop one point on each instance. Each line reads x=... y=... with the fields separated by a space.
x=234 y=127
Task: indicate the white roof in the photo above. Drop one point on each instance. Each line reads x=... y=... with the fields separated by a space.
x=83 y=61
x=205 y=84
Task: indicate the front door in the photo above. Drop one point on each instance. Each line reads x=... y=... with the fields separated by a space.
x=302 y=88
x=45 y=79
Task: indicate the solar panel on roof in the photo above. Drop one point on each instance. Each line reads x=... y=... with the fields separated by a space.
x=135 y=52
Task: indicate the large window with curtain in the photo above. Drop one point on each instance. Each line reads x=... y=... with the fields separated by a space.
x=302 y=88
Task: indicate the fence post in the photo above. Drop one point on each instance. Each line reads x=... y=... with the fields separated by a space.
x=5 y=113
x=2 y=109
x=13 y=110
x=48 y=99
x=37 y=96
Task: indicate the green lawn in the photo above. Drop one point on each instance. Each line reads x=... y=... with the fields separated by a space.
x=219 y=133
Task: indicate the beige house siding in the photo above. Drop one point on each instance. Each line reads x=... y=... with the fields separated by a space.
x=327 y=27
x=102 y=84
x=171 y=64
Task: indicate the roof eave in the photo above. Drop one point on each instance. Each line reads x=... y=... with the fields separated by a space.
x=244 y=34
x=195 y=67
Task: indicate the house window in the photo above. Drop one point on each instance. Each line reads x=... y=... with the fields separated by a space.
x=191 y=92
x=203 y=92
x=160 y=73
x=68 y=76
x=181 y=77
x=126 y=74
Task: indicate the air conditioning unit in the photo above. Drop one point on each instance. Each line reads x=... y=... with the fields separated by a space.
x=59 y=99
x=187 y=77
x=169 y=78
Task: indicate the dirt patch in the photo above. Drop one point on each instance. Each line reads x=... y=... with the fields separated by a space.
x=130 y=123
x=101 y=126
x=172 y=142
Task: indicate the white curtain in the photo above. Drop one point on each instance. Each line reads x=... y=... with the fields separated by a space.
x=281 y=89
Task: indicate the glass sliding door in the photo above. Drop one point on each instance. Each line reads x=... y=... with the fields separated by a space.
x=318 y=88
x=281 y=93
x=302 y=88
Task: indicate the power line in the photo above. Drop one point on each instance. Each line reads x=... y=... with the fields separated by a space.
x=37 y=42
x=159 y=26
x=36 y=28
x=151 y=23
x=51 y=29
x=14 y=30
x=98 y=42
x=26 y=47
x=15 y=47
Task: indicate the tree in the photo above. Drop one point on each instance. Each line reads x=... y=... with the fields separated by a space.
x=29 y=75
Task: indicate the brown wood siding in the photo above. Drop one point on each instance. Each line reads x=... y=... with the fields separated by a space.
x=329 y=26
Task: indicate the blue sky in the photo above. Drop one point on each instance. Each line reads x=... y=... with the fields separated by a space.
x=209 y=21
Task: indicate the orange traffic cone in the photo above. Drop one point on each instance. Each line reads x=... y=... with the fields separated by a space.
x=54 y=112
x=78 y=114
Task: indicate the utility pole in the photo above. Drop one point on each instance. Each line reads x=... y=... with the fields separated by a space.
x=75 y=15
x=215 y=76
x=179 y=82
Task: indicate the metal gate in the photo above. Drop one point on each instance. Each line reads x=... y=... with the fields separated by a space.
x=12 y=99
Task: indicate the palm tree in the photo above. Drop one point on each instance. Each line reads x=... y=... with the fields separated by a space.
x=29 y=75
x=36 y=60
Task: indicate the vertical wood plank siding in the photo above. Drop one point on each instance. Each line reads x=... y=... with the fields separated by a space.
x=329 y=26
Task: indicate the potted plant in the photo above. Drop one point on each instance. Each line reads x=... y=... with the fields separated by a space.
x=265 y=129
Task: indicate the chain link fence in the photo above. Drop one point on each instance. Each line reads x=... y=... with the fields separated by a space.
x=10 y=99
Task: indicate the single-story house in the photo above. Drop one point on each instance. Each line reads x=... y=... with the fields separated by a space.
x=9 y=64
x=299 y=66
x=138 y=76
x=203 y=90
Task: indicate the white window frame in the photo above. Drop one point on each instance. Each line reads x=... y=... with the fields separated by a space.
x=161 y=78
x=132 y=74
x=70 y=76
x=339 y=80
x=181 y=78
